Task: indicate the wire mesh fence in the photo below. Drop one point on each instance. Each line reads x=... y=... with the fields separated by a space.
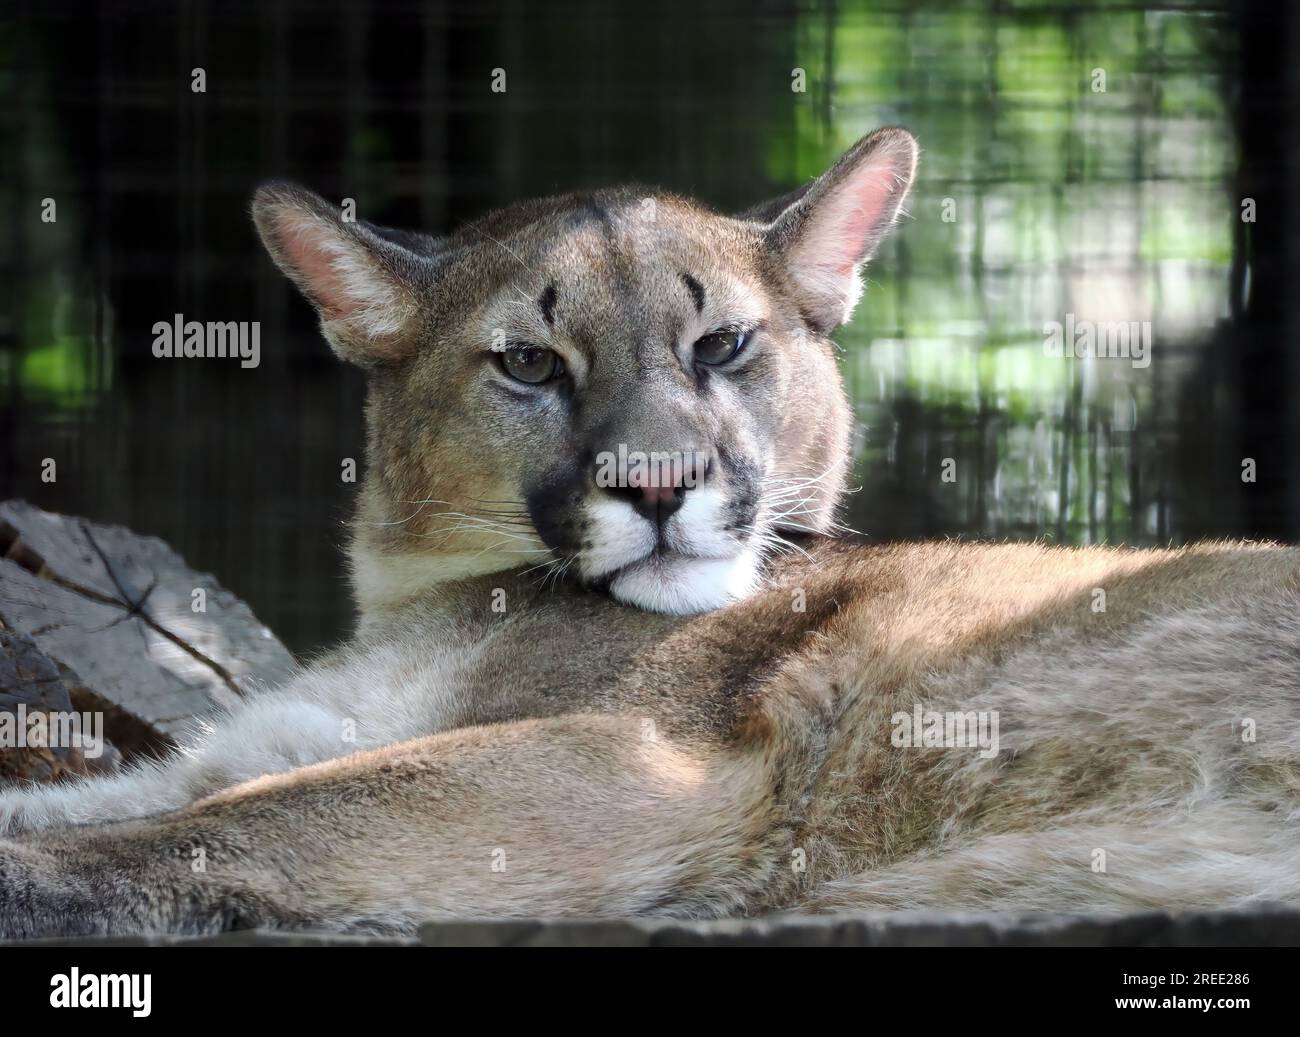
x=1083 y=164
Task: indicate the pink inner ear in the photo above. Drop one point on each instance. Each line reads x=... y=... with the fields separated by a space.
x=316 y=255
x=854 y=215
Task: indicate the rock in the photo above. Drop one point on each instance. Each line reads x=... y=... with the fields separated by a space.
x=101 y=619
x=1273 y=925
x=1264 y=926
x=32 y=691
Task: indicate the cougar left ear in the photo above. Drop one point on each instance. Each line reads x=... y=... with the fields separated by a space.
x=365 y=282
x=826 y=231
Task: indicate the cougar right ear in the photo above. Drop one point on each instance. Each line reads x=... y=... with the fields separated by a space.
x=827 y=230
x=365 y=286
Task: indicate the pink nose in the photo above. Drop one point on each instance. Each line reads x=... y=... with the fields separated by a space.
x=658 y=494
x=657 y=490
x=665 y=473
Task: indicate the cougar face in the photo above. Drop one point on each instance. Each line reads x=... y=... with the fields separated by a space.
x=621 y=387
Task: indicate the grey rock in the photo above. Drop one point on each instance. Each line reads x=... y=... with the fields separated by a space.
x=32 y=686
x=113 y=610
x=1266 y=926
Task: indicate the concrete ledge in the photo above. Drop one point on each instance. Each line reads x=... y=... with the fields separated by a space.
x=1263 y=927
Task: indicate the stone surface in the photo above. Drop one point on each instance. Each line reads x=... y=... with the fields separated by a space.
x=31 y=686
x=1262 y=927
x=113 y=611
x=1273 y=927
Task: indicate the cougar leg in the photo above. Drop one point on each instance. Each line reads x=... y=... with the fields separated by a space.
x=369 y=700
x=578 y=815
x=1228 y=856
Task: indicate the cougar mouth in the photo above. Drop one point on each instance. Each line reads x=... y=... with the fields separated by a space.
x=681 y=584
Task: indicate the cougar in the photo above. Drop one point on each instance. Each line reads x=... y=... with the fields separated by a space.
x=612 y=660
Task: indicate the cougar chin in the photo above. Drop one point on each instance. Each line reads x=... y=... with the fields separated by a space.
x=680 y=585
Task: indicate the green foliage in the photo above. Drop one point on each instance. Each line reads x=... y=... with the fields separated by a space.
x=1111 y=205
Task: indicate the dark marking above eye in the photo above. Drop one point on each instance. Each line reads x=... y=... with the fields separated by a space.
x=697 y=291
x=588 y=210
x=547 y=303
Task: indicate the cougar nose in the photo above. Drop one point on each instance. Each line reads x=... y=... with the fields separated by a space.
x=657 y=503
x=657 y=489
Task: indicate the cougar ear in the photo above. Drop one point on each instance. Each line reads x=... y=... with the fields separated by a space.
x=365 y=282
x=827 y=230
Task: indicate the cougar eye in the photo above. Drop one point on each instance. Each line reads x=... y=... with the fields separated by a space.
x=531 y=364
x=719 y=347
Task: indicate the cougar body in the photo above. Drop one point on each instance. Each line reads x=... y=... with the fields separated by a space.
x=677 y=695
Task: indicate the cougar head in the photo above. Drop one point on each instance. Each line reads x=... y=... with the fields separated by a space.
x=622 y=387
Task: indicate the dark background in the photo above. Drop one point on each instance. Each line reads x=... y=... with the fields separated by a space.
x=1122 y=205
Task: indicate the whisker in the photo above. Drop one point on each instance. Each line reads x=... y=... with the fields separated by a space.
x=447 y=532
x=539 y=565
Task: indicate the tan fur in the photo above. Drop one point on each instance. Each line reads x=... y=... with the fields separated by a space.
x=492 y=743
x=714 y=752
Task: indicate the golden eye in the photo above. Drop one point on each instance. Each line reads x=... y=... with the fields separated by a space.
x=531 y=364
x=719 y=347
